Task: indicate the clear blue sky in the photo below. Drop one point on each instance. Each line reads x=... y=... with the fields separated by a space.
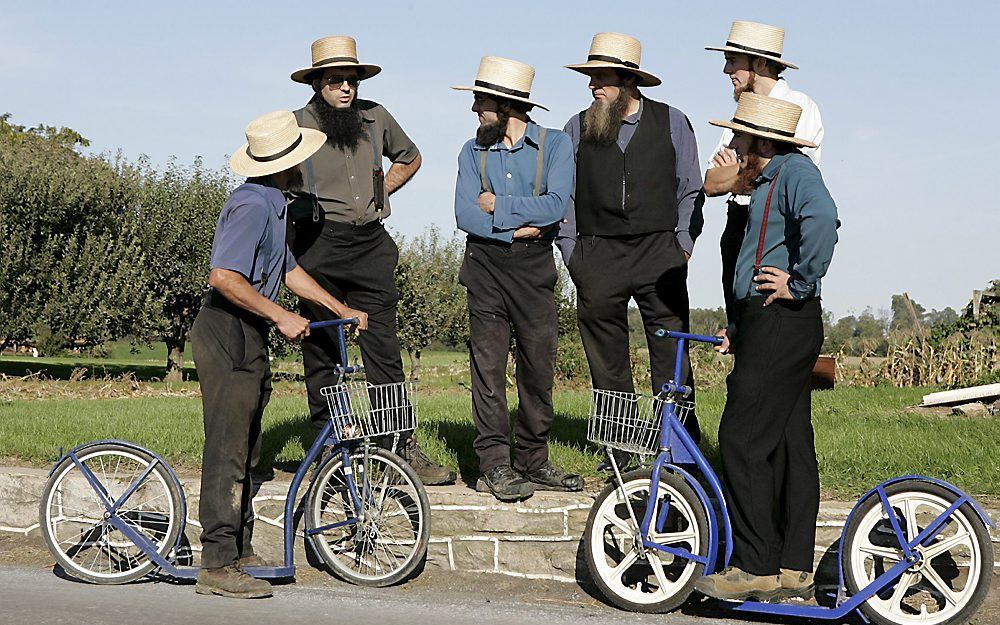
x=908 y=93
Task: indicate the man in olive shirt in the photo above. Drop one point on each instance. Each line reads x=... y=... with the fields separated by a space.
x=343 y=243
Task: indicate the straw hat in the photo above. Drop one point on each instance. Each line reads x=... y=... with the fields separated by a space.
x=335 y=51
x=756 y=40
x=504 y=78
x=619 y=52
x=274 y=143
x=766 y=117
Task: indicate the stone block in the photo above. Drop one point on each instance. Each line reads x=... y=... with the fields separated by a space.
x=473 y=555
x=578 y=521
x=539 y=558
x=437 y=556
x=501 y=520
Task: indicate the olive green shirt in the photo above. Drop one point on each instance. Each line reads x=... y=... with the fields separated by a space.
x=344 y=179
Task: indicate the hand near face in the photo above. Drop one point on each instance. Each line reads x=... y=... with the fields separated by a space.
x=775 y=281
x=486 y=202
x=725 y=157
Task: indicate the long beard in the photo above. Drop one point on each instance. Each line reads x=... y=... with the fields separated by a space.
x=738 y=91
x=751 y=167
x=603 y=120
x=488 y=135
x=343 y=127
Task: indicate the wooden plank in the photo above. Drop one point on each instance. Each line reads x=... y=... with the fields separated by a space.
x=963 y=395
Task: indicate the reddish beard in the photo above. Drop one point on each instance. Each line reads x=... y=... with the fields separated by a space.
x=738 y=91
x=750 y=168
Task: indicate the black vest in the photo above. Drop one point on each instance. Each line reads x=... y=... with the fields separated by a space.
x=635 y=192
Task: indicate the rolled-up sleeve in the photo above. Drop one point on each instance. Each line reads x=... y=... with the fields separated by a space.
x=512 y=212
x=237 y=236
x=396 y=144
x=816 y=215
x=690 y=194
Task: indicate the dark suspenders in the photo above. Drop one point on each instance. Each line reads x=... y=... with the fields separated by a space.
x=539 y=165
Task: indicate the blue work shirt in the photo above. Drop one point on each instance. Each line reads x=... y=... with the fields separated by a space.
x=801 y=227
x=250 y=238
x=511 y=174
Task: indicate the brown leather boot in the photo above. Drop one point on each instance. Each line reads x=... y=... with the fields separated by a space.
x=231 y=581
x=797 y=584
x=735 y=583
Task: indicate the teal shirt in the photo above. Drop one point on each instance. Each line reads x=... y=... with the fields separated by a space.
x=801 y=227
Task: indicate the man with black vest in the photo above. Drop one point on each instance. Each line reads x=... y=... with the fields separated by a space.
x=635 y=215
x=340 y=239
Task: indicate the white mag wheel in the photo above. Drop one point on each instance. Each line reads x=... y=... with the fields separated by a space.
x=953 y=575
x=637 y=579
x=75 y=524
x=389 y=540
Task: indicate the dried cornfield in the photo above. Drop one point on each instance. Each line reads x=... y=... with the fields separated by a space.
x=961 y=359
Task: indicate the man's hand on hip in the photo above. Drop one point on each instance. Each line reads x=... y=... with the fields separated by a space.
x=775 y=281
x=486 y=202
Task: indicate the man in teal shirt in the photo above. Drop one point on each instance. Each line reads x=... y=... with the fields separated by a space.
x=765 y=436
x=514 y=182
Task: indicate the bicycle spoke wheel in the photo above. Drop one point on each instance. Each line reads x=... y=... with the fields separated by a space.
x=634 y=577
x=76 y=524
x=383 y=540
x=953 y=575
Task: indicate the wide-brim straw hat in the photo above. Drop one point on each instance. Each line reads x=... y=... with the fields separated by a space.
x=616 y=51
x=756 y=40
x=335 y=51
x=766 y=117
x=504 y=78
x=274 y=143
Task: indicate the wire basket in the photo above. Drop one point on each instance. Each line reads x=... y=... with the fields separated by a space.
x=362 y=410
x=628 y=421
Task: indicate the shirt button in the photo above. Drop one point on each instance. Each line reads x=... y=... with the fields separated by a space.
x=352 y=177
x=509 y=175
x=356 y=197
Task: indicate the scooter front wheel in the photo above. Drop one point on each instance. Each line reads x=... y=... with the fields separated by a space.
x=952 y=577
x=634 y=577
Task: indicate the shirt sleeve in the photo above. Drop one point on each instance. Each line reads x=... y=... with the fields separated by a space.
x=690 y=195
x=512 y=212
x=290 y=262
x=468 y=216
x=816 y=214
x=566 y=238
x=239 y=235
x=810 y=128
x=722 y=144
x=396 y=145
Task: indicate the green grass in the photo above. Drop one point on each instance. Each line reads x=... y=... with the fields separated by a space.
x=863 y=436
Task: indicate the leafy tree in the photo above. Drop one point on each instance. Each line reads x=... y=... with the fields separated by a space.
x=901 y=317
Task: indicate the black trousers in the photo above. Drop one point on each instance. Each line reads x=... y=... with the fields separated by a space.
x=230 y=352
x=511 y=286
x=608 y=272
x=730 y=244
x=766 y=436
x=355 y=264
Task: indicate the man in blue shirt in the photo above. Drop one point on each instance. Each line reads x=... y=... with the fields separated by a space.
x=250 y=259
x=766 y=437
x=514 y=180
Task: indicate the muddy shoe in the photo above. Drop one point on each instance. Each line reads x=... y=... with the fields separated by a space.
x=505 y=484
x=429 y=472
x=231 y=581
x=797 y=584
x=252 y=560
x=547 y=477
x=735 y=583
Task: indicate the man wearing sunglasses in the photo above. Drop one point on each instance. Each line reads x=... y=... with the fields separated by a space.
x=339 y=238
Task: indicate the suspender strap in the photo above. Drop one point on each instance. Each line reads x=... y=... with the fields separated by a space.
x=540 y=162
x=763 y=225
x=310 y=179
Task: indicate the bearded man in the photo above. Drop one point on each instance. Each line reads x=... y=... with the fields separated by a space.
x=341 y=241
x=769 y=463
x=514 y=181
x=636 y=213
x=754 y=64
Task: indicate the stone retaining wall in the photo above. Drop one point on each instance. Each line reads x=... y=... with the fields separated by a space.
x=470 y=531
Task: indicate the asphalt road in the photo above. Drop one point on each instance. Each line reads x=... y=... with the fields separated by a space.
x=37 y=596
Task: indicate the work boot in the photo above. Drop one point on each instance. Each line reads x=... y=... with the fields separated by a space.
x=547 y=477
x=429 y=472
x=797 y=584
x=735 y=583
x=231 y=581
x=252 y=560
x=505 y=484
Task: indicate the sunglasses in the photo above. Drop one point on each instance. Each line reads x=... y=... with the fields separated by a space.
x=336 y=81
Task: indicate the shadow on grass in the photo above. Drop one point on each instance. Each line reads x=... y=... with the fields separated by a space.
x=64 y=370
x=277 y=436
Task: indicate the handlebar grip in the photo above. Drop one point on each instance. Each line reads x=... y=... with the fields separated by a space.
x=700 y=338
x=334 y=322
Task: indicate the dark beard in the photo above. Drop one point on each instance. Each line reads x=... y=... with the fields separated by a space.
x=488 y=135
x=751 y=167
x=738 y=91
x=602 y=122
x=343 y=127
